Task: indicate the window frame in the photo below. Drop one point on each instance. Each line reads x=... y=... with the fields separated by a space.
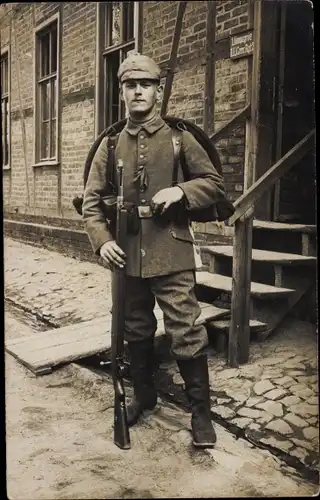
x=38 y=80
x=102 y=52
x=6 y=52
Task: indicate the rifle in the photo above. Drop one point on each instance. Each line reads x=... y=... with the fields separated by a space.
x=121 y=431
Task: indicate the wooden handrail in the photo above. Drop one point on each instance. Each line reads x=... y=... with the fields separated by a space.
x=270 y=177
x=244 y=113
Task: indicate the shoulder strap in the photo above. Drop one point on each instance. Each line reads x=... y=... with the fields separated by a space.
x=178 y=157
x=176 y=142
x=110 y=167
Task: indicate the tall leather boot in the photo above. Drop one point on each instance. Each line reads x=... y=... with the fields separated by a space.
x=196 y=377
x=141 y=369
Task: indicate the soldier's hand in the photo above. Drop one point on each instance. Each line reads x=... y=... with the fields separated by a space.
x=112 y=254
x=166 y=197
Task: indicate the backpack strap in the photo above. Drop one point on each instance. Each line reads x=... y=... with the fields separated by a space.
x=176 y=143
x=178 y=158
x=110 y=167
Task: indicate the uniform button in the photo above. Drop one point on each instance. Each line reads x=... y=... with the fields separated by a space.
x=141 y=156
x=141 y=136
x=143 y=253
x=142 y=189
x=142 y=146
x=143 y=202
x=144 y=211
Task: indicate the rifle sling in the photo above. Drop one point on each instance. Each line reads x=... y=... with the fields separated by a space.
x=176 y=143
x=110 y=168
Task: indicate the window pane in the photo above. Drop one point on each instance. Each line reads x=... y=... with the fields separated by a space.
x=5 y=132
x=3 y=115
x=44 y=151
x=4 y=75
x=128 y=16
x=127 y=50
x=45 y=54
x=44 y=96
x=122 y=110
x=111 y=100
x=54 y=49
x=107 y=20
x=6 y=150
x=116 y=22
x=53 y=83
x=53 y=139
x=4 y=162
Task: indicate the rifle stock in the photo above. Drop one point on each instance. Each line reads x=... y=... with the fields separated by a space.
x=121 y=430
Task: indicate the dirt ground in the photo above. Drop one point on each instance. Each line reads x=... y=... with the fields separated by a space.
x=59 y=446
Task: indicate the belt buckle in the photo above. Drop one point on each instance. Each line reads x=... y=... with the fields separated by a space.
x=144 y=212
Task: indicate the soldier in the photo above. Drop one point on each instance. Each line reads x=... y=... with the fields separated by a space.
x=159 y=258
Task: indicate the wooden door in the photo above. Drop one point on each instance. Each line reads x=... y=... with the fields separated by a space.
x=294 y=195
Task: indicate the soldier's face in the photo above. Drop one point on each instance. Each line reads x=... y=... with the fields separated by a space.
x=140 y=96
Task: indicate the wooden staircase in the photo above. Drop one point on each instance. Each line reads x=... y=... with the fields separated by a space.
x=283 y=272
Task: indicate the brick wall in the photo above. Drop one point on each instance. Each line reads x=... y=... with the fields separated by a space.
x=232 y=17
x=188 y=90
x=56 y=186
x=230 y=94
x=187 y=95
x=15 y=181
x=77 y=89
x=50 y=188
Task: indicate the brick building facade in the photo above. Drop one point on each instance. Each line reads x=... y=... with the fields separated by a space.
x=59 y=62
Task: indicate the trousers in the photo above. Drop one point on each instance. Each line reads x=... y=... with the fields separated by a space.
x=175 y=294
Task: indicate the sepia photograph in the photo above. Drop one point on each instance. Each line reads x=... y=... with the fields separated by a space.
x=160 y=249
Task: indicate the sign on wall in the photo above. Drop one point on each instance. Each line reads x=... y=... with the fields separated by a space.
x=241 y=45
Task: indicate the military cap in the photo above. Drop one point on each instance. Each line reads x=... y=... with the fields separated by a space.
x=138 y=66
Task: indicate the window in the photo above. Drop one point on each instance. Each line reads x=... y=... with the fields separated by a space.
x=117 y=39
x=5 y=112
x=46 y=145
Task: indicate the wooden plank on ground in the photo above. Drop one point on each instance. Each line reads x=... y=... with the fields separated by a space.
x=43 y=351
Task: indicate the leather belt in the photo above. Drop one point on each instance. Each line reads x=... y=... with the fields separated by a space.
x=144 y=211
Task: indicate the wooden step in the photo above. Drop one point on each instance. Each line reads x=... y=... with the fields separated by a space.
x=224 y=283
x=283 y=226
x=283 y=237
x=218 y=333
x=285 y=259
x=224 y=325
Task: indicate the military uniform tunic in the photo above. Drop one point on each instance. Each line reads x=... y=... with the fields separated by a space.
x=157 y=249
x=160 y=259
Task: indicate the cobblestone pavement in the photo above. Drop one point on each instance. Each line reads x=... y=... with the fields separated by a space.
x=273 y=398
x=59 y=444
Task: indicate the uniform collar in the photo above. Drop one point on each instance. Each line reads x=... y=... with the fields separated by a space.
x=151 y=126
